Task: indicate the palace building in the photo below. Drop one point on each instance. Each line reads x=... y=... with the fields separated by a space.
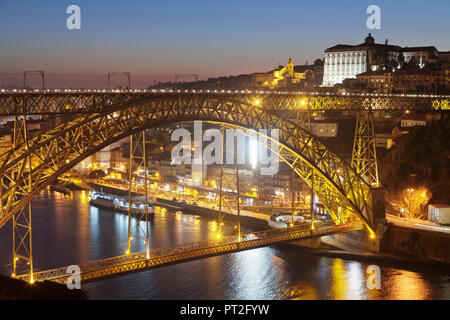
x=346 y=61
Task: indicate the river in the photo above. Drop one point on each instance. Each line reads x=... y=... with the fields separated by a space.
x=67 y=230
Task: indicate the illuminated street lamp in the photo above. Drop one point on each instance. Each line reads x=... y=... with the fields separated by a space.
x=409 y=190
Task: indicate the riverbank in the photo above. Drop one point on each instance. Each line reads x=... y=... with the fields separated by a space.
x=397 y=246
x=13 y=289
x=251 y=220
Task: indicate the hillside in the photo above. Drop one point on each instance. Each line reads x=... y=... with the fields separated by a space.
x=416 y=170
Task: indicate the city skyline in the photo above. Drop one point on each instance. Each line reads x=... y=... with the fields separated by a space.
x=119 y=37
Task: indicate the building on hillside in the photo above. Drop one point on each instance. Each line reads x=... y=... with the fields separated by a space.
x=413 y=120
x=439 y=213
x=5 y=140
x=421 y=55
x=444 y=56
x=117 y=161
x=409 y=79
x=381 y=81
x=290 y=76
x=346 y=61
x=324 y=129
x=381 y=140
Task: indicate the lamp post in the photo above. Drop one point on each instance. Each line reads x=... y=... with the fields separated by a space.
x=409 y=200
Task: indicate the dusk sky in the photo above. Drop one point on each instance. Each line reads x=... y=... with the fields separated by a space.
x=156 y=39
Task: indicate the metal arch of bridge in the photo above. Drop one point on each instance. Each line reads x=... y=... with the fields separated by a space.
x=142 y=261
x=41 y=102
x=336 y=183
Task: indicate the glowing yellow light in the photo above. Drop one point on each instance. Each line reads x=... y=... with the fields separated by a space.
x=257 y=102
x=127 y=252
x=372 y=236
x=218 y=236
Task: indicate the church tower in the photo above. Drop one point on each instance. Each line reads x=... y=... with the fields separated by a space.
x=369 y=40
x=290 y=68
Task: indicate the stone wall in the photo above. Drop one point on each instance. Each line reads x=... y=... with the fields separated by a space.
x=421 y=245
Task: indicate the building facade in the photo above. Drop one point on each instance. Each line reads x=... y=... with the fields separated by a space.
x=290 y=76
x=409 y=79
x=346 y=61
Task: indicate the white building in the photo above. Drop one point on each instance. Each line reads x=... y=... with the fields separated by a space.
x=439 y=213
x=410 y=121
x=322 y=129
x=381 y=140
x=346 y=61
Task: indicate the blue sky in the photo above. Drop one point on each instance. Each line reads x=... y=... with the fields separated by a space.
x=156 y=39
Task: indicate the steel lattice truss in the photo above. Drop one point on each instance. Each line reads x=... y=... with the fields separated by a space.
x=364 y=157
x=141 y=261
x=53 y=152
x=92 y=101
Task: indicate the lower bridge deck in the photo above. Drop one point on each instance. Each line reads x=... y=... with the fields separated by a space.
x=140 y=261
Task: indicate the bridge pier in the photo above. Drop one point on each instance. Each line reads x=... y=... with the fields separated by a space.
x=364 y=156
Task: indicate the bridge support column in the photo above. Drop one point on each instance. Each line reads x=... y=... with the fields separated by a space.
x=229 y=182
x=22 y=227
x=138 y=159
x=364 y=157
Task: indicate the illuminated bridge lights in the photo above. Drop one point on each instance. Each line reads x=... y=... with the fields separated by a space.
x=109 y=115
x=242 y=92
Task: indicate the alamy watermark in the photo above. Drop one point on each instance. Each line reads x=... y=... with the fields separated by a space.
x=74 y=280
x=374 y=20
x=73 y=22
x=262 y=151
x=374 y=277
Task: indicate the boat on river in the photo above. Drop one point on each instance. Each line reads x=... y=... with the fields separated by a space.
x=119 y=204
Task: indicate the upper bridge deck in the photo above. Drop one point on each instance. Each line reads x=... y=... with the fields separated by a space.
x=87 y=101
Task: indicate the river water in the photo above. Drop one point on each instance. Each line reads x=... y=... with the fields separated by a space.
x=67 y=230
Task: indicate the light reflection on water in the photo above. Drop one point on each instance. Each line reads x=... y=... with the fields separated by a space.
x=67 y=230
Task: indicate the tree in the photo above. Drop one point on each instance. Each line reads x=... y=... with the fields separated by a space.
x=97 y=174
x=410 y=202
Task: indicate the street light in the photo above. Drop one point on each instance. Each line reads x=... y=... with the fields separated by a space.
x=409 y=200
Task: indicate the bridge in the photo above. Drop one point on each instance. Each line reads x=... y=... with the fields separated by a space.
x=93 y=119
x=72 y=101
x=141 y=261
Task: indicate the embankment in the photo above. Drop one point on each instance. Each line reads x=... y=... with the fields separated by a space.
x=13 y=289
x=420 y=245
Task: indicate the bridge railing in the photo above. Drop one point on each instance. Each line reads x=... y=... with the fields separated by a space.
x=250 y=238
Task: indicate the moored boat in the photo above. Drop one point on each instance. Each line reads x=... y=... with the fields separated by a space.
x=118 y=204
